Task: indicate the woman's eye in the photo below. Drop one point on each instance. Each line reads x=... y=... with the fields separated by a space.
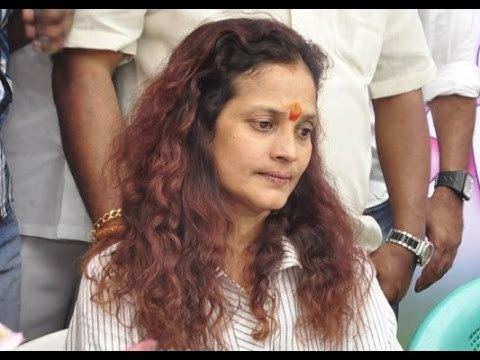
x=263 y=125
x=305 y=132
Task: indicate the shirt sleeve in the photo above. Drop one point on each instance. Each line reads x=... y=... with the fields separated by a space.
x=378 y=331
x=94 y=328
x=405 y=63
x=453 y=35
x=112 y=29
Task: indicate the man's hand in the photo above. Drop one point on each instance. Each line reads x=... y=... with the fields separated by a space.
x=395 y=266
x=47 y=28
x=444 y=230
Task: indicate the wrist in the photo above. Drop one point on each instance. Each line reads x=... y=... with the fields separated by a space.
x=459 y=181
x=108 y=218
x=421 y=249
x=405 y=256
x=412 y=225
x=450 y=196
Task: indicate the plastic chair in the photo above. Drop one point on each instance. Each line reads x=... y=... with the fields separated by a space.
x=454 y=323
x=50 y=342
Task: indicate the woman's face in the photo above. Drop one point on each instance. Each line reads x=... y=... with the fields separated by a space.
x=262 y=142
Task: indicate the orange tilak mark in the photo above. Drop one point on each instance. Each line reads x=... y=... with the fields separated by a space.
x=295 y=112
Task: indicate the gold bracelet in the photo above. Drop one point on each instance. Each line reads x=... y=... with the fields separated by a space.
x=112 y=214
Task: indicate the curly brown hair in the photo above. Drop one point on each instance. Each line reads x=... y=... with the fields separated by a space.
x=175 y=219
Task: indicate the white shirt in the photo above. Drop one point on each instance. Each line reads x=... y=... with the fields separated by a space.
x=453 y=36
x=92 y=328
x=46 y=200
x=374 y=53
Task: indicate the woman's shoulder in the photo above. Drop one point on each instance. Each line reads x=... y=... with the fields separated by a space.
x=98 y=262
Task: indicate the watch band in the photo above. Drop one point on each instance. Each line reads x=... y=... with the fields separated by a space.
x=459 y=181
x=423 y=249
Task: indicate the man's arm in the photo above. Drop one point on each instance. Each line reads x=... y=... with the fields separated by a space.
x=454 y=120
x=89 y=116
x=403 y=148
x=452 y=36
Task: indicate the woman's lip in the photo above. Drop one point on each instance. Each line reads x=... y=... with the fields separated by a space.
x=276 y=178
x=277 y=174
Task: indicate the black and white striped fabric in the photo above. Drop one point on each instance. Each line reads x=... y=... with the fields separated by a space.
x=92 y=328
x=6 y=200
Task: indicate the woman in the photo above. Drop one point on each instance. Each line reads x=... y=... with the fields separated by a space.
x=231 y=237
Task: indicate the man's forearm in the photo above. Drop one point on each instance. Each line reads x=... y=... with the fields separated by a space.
x=454 y=120
x=404 y=153
x=89 y=117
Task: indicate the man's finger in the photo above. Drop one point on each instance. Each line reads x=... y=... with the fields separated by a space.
x=433 y=272
x=51 y=30
x=30 y=31
x=50 y=16
x=428 y=274
x=28 y=16
x=48 y=46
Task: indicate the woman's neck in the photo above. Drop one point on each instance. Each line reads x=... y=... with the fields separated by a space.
x=246 y=231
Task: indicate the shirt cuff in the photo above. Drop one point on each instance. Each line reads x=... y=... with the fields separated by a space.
x=82 y=39
x=402 y=84
x=461 y=78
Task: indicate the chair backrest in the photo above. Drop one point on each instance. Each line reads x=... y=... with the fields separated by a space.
x=50 y=342
x=454 y=323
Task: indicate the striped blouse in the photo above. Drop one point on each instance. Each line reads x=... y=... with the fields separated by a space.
x=91 y=328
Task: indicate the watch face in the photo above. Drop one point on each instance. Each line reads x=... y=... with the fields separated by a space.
x=468 y=187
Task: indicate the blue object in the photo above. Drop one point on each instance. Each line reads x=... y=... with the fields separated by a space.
x=10 y=272
x=454 y=323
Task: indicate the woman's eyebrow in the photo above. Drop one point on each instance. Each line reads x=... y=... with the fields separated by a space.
x=273 y=111
x=278 y=113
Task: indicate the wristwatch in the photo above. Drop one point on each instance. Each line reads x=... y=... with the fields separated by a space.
x=423 y=249
x=459 y=181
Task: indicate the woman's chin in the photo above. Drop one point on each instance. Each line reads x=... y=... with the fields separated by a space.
x=273 y=205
